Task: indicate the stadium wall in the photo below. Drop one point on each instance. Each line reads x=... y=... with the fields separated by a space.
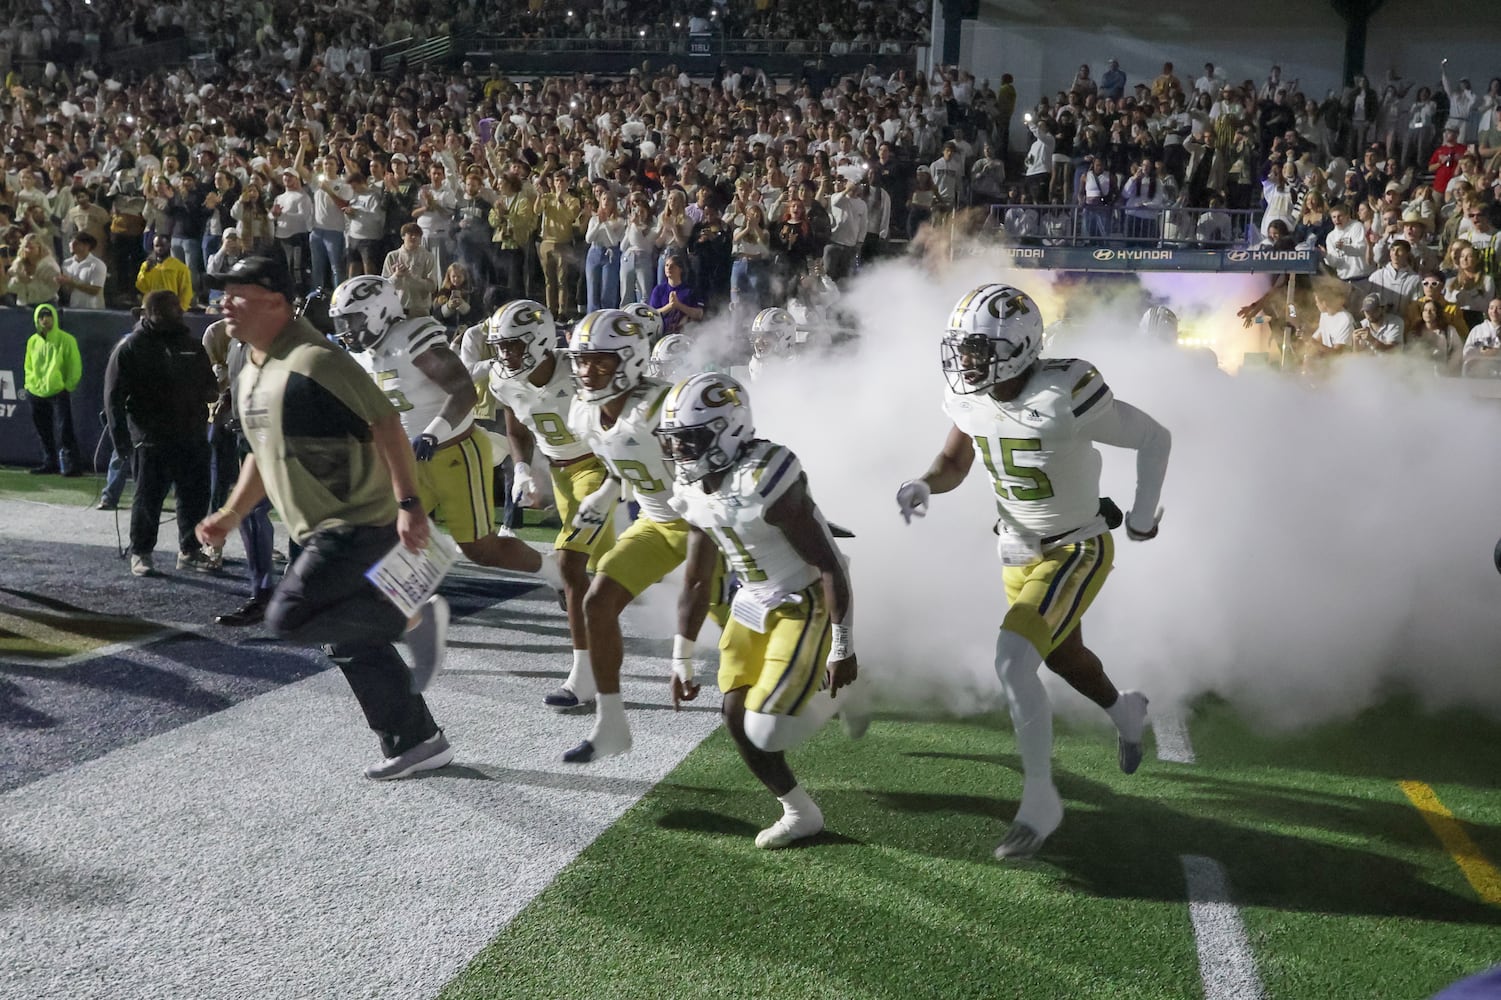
x=97 y=331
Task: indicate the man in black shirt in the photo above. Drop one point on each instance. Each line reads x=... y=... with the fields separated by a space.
x=157 y=389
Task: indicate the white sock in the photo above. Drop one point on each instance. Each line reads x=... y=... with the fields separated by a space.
x=612 y=733
x=581 y=678
x=1129 y=720
x=797 y=804
x=1016 y=662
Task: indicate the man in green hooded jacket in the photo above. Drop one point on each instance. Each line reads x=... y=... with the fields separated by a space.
x=53 y=368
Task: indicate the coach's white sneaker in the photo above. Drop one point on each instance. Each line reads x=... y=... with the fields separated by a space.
x=1129 y=713
x=1040 y=813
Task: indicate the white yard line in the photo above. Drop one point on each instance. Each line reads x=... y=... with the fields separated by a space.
x=1172 y=739
x=1226 y=962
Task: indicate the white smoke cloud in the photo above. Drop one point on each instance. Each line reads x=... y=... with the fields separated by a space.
x=1322 y=546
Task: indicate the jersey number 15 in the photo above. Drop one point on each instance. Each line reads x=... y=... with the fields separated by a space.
x=1040 y=488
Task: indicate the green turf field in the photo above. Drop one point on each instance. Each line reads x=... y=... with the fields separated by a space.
x=1344 y=890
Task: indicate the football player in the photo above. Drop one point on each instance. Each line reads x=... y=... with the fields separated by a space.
x=1160 y=323
x=773 y=336
x=669 y=359
x=1034 y=425
x=536 y=391
x=649 y=318
x=788 y=649
x=615 y=411
x=411 y=362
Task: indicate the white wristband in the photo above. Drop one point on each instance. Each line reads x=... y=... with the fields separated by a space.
x=682 y=658
x=843 y=645
x=440 y=429
x=522 y=471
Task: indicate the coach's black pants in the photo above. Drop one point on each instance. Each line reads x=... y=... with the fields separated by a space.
x=159 y=466
x=325 y=599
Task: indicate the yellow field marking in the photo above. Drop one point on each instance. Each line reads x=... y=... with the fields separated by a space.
x=1477 y=869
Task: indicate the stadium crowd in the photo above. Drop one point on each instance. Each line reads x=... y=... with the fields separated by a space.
x=470 y=188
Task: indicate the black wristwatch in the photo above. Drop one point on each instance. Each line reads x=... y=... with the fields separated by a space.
x=409 y=503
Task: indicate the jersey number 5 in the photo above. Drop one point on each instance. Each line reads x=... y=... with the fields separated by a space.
x=1041 y=487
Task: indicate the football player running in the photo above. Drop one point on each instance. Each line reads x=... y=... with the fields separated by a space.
x=1034 y=425
x=788 y=649
x=615 y=412
x=773 y=336
x=411 y=362
x=669 y=359
x=537 y=391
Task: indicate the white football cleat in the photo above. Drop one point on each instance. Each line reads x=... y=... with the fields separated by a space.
x=790 y=829
x=1131 y=723
x=1040 y=814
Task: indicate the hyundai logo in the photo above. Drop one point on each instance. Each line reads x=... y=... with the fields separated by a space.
x=1104 y=255
x=1238 y=255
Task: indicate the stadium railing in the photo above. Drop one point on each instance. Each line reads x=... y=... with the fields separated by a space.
x=1115 y=225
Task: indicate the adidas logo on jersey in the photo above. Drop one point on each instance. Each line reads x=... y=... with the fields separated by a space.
x=632 y=442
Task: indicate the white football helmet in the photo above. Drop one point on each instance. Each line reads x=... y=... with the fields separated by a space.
x=706 y=421
x=994 y=334
x=669 y=359
x=364 y=309
x=1160 y=323
x=649 y=318
x=773 y=332
x=527 y=321
x=610 y=331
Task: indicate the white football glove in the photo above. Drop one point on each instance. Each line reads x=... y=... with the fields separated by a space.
x=524 y=486
x=912 y=498
x=596 y=508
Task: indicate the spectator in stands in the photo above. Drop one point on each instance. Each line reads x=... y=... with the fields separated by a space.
x=1431 y=293
x=457 y=304
x=1396 y=283
x=414 y=271
x=1336 y=327
x=84 y=275
x=292 y=225
x=53 y=368
x=1467 y=287
x=157 y=390
x=750 y=268
x=34 y=275
x=1445 y=159
x=161 y=270
x=1345 y=249
x=677 y=304
x=848 y=214
x=1436 y=339
x=1379 y=330
x=365 y=228
x=560 y=213
x=1484 y=340
x=1112 y=81
x=605 y=233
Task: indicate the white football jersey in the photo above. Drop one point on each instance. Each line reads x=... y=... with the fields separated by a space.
x=1042 y=460
x=629 y=448
x=763 y=559
x=544 y=409
x=416 y=397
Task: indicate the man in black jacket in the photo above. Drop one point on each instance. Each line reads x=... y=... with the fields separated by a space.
x=157 y=389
